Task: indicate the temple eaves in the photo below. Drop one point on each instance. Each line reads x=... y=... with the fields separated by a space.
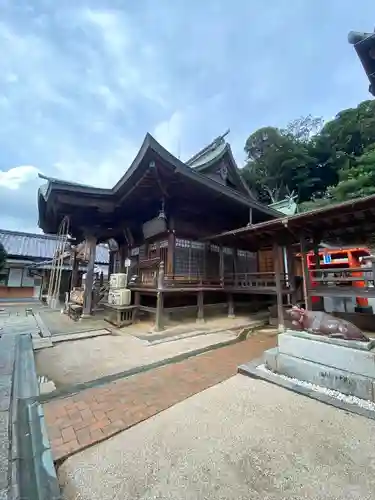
x=364 y=45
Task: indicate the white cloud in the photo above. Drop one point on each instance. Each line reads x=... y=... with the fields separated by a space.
x=15 y=177
x=170 y=132
x=104 y=172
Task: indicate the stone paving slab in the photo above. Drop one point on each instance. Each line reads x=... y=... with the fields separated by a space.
x=93 y=415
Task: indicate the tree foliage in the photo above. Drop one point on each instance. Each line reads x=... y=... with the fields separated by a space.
x=3 y=256
x=322 y=164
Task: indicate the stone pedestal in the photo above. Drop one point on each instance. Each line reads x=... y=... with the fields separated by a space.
x=347 y=367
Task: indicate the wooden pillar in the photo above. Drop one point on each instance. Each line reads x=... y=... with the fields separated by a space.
x=122 y=252
x=279 y=295
x=159 y=318
x=111 y=265
x=231 y=306
x=320 y=303
x=87 y=301
x=200 y=302
x=306 y=275
x=221 y=265
x=171 y=253
x=291 y=274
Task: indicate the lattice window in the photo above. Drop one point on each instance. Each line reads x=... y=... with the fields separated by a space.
x=246 y=261
x=189 y=258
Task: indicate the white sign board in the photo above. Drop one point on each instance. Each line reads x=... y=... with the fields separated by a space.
x=127 y=262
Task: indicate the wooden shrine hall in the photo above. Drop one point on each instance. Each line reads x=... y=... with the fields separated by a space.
x=161 y=215
x=348 y=223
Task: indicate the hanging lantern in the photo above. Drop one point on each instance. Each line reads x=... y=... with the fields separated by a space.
x=162 y=211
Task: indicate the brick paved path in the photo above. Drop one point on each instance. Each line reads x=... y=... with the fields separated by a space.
x=93 y=415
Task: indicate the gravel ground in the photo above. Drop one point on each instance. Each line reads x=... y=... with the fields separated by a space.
x=80 y=361
x=243 y=439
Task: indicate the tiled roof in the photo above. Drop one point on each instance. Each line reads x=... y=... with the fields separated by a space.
x=39 y=246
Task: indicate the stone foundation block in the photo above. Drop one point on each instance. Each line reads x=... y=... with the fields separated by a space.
x=326 y=376
x=351 y=360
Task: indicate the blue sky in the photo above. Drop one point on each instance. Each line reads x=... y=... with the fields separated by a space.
x=81 y=82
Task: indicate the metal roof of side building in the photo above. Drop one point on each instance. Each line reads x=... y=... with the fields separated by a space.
x=39 y=246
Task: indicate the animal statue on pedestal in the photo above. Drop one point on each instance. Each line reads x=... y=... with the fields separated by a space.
x=321 y=323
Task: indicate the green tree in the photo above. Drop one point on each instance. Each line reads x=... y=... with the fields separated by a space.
x=344 y=151
x=321 y=164
x=281 y=161
x=3 y=256
x=265 y=151
x=352 y=130
x=358 y=180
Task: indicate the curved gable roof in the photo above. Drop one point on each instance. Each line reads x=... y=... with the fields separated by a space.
x=150 y=145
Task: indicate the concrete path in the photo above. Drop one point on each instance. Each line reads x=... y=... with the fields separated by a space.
x=95 y=414
x=75 y=362
x=240 y=440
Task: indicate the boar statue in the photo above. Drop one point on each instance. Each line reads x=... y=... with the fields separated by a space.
x=321 y=323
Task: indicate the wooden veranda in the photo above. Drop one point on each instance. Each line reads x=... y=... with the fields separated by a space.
x=351 y=222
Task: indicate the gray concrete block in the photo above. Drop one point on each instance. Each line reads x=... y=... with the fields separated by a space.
x=270 y=358
x=343 y=358
x=326 y=376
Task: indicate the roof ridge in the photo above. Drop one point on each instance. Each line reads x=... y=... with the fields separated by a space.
x=218 y=141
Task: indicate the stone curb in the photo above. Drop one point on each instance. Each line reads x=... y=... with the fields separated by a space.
x=33 y=472
x=249 y=370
